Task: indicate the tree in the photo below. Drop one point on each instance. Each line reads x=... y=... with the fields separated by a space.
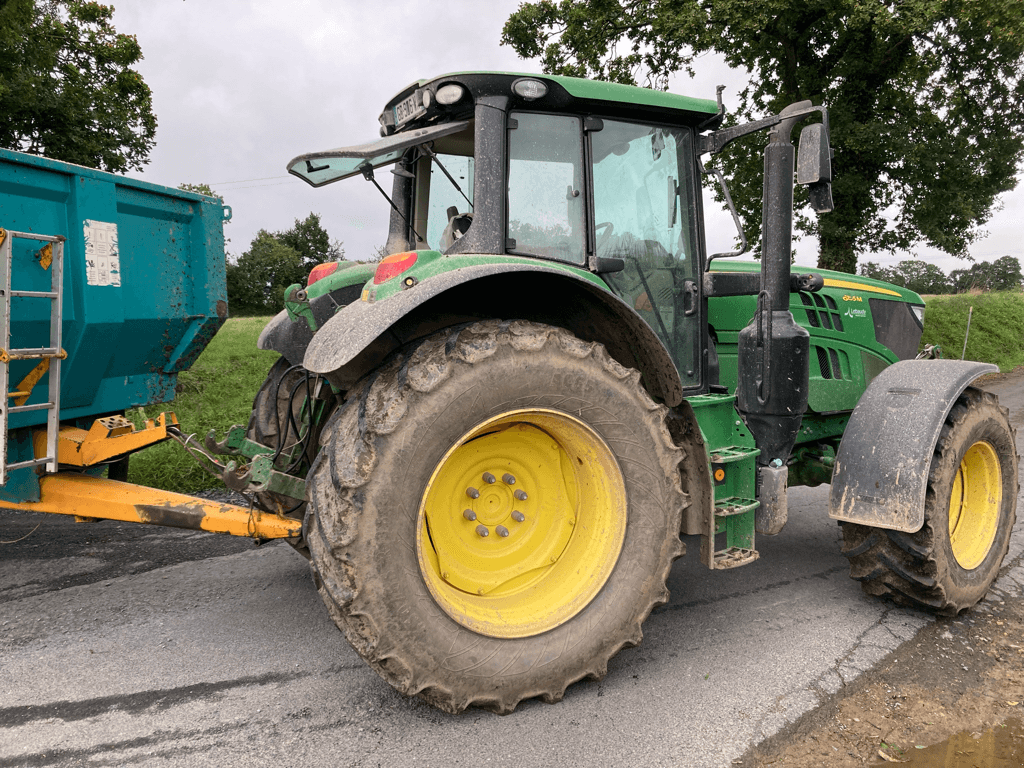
x=67 y=86
x=256 y=283
x=920 y=277
x=274 y=261
x=1006 y=274
x=925 y=97
x=200 y=189
x=1002 y=275
x=312 y=242
x=877 y=272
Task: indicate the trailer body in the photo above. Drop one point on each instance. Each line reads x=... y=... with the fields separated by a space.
x=142 y=293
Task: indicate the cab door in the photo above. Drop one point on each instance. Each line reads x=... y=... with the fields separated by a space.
x=644 y=214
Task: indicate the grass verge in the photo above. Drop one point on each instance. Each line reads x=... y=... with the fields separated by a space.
x=997 y=327
x=215 y=394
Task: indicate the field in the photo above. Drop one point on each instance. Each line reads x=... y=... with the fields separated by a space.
x=997 y=327
x=215 y=394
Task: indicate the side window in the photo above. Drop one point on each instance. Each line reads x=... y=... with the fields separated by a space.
x=442 y=229
x=545 y=187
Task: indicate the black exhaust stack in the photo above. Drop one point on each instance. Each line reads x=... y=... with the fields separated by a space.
x=771 y=392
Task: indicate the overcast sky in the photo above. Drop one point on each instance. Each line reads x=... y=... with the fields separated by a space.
x=240 y=88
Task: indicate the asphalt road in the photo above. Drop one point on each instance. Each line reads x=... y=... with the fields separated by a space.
x=124 y=645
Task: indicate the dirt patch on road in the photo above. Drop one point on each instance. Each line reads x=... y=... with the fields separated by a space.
x=956 y=675
x=963 y=674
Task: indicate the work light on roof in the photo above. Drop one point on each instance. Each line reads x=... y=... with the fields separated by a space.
x=529 y=89
x=448 y=94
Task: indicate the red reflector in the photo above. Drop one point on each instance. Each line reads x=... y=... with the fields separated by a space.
x=320 y=271
x=393 y=265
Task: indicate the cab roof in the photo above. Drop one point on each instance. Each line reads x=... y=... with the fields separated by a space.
x=416 y=105
x=591 y=90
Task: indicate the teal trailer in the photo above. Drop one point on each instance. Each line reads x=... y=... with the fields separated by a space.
x=112 y=287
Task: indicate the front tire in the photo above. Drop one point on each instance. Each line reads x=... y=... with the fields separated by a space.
x=970 y=508
x=494 y=513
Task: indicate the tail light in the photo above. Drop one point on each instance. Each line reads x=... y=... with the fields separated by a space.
x=320 y=271
x=393 y=265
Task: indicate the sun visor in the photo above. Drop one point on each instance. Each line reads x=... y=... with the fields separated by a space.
x=319 y=168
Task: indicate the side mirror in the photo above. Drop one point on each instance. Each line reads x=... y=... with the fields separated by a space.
x=814 y=166
x=814 y=158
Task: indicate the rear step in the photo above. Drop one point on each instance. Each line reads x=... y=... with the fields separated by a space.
x=733 y=515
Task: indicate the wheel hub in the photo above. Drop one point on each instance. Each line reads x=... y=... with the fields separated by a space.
x=490 y=547
x=974 y=505
x=522 y=522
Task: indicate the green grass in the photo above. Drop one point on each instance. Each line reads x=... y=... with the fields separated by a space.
x=215 y=394
x=997 y=327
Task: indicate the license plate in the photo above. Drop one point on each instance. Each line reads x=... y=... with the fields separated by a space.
x=409 y=108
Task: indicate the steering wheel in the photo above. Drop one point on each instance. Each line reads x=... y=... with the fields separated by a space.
x=603 y=237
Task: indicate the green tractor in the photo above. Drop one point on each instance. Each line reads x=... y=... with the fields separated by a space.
x=496 y=435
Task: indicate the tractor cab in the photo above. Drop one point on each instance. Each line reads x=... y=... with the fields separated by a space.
x=552 y=169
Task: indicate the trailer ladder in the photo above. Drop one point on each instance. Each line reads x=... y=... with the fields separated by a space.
x=51 y=256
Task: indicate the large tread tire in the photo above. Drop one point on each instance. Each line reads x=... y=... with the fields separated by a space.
x=920 y=569
x=379 y=452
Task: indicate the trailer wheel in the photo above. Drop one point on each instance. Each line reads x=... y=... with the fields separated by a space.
x=494 y=513
x=278 y=421
x=970 y=508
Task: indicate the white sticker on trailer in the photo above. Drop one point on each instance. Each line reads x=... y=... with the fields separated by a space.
x=102 y=263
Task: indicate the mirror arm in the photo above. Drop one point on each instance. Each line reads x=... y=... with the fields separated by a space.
x=717 y=173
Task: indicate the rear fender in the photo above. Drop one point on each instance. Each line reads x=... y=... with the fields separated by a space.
x=362 y=334
x=881 y=471
x=290 y=338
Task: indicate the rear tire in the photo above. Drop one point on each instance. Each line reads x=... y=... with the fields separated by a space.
x=459 y=618
x=970 y=508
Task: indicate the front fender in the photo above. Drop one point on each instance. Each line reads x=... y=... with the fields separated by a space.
x=361 y=334
x=881 y=471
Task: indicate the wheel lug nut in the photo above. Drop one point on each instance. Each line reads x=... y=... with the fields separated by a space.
x=473 y=493
x=469 y=514
x=502 y=531
x=520 y=494
x=508 y=479
x=518 y=516
x=489 y=478
x=482 y=530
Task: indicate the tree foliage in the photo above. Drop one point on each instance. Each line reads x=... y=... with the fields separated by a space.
x=67 y=86
x=257 y=281
x=200 y=189
x=925 y=97
x=1004 y=274
x=311 y=242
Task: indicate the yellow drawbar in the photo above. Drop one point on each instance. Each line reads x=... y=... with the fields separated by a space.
x=98 y=498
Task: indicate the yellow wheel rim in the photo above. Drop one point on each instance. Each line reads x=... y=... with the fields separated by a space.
x=974 y=505
x=521 y=523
